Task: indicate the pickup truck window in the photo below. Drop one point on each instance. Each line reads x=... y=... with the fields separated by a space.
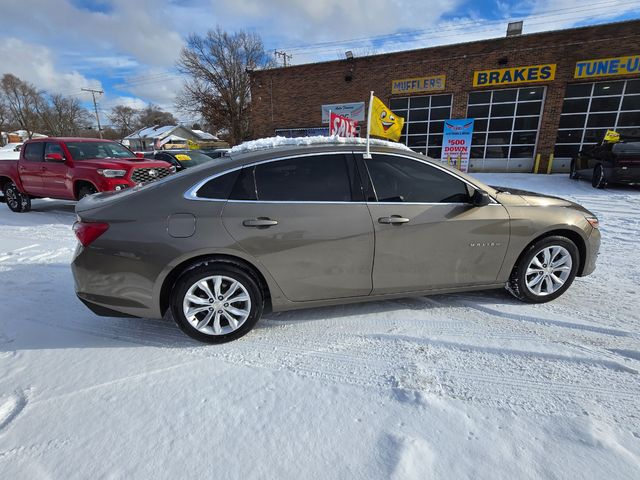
x=34 y=152
x=92 y=150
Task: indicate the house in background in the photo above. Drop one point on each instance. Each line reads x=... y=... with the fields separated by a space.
x=170 y=136
x=18 y=136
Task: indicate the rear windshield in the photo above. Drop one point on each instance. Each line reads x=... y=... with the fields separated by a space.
x=91 y=150
x=192 y=158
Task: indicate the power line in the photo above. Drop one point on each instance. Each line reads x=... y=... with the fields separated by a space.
x=401 y=37
x=284 y=55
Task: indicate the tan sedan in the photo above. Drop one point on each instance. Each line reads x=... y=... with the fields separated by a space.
x=302 y=226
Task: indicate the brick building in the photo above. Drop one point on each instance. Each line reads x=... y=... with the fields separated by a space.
x=547 y=94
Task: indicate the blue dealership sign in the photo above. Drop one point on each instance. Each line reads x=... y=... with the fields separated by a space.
x=456 y=143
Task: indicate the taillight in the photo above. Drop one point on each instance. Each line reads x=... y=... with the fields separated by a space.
x=87 y=232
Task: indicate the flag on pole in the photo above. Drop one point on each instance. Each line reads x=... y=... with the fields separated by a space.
x=382 y=122
x=342 y=126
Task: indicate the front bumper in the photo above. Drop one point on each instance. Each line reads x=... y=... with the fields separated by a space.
x=593 y=249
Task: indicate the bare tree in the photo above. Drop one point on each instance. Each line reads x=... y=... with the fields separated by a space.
x=123 y=118
x=218 y=86
x=5 y=117
x=23 y=102
x=62 y=116
x=154 y=115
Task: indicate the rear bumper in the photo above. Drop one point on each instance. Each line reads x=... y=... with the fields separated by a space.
x=103 y=311
x=624 y=174
x=112 y=286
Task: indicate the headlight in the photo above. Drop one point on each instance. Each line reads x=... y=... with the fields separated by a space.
x=109 y=173
x=173 y=169
x=593 y=221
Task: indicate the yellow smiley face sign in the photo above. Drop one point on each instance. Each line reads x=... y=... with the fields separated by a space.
x=385 y=123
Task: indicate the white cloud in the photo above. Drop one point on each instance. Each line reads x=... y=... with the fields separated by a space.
x=35 y=64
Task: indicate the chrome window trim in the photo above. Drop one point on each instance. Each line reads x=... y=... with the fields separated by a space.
x=191 y=193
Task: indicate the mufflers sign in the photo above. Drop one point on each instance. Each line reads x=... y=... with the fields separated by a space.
x=515 y=75
x=418 y=84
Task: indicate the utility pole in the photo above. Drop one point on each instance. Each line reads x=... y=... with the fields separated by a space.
x=95 y=106
x=285 y=56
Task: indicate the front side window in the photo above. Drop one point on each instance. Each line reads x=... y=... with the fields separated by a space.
x=401 y=179
x=319 y=178
x=33 y=152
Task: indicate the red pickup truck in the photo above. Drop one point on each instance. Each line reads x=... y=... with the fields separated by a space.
x=70 y=168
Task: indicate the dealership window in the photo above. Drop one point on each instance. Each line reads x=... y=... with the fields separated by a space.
x=506 y=123
x=424 y=117
x=302 y=132
x=590 y=109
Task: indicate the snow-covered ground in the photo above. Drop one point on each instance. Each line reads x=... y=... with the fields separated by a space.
x=444 y=387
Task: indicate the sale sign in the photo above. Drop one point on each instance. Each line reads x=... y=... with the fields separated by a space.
x=456 y=143
x=342 y=126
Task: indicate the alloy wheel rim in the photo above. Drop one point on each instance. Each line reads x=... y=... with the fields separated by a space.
x=12 y=201
x=548 y=270
x=217 y=305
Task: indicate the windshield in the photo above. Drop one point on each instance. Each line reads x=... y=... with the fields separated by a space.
x=92 y=150
x=192 y=158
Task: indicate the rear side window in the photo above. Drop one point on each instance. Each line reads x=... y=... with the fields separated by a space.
x=53 y=148
x=400 y=179
x=34 y=152
x=219 y=187
x=318 y=178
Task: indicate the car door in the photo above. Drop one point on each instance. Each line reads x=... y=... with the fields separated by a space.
x=304 y=219
x=428 y=235
x=30 y=168
x=54 y=174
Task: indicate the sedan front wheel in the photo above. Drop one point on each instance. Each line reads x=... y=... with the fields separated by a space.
x=545 y=270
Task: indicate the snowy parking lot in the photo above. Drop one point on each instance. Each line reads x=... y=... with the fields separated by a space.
x=472 y=385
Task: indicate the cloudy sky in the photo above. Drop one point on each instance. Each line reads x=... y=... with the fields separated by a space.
x=129 y=47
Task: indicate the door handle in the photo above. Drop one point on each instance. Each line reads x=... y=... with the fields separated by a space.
x=393 y=220
x=260 y=222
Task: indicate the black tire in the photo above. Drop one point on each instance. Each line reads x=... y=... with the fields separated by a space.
x=573 y=173
x=517 y=284
x=227 y=270
x=16 y=200
x=598 y=180
x=85 y=190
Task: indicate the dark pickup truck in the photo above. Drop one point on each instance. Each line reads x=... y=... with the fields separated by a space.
x=70 y=168
x=609 y=163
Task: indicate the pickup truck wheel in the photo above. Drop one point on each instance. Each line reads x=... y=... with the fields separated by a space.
x=86 y=190
x=598 y=180
x=16 y=201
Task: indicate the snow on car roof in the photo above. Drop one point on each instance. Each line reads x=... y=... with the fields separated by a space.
x=275 y=142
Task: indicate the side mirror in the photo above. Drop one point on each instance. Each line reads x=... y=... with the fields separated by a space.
x=480 y=198
x=54 y=157
x=139 y=154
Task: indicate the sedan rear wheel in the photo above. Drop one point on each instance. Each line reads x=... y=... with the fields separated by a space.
x=216 y=302
x=545 y=270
